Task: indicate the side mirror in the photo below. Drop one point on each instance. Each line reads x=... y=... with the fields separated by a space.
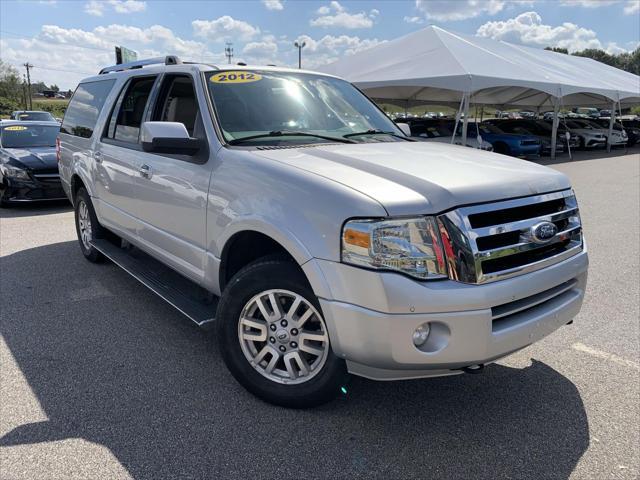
x=405 y=129
x=168 y=137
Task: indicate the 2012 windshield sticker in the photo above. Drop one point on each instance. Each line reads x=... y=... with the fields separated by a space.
x=235 y=77
x=15 y=128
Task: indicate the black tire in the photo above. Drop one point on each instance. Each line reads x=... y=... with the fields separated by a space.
x=97 y=231
x=266 y=274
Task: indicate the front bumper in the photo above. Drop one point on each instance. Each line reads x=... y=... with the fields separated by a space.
x=44 y=187
x=527 y=151
x=593 y=142
x=376 y=340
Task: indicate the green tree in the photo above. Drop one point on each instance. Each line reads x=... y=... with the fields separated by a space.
x=558 y=50
x=10 y=89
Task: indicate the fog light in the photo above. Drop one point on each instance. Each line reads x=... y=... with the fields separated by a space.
x=421 y=334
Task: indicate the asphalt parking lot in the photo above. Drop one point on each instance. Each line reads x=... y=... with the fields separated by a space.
x=101 y=379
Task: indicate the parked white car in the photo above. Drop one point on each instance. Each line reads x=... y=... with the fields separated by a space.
x=619 y=136
x=589 y=135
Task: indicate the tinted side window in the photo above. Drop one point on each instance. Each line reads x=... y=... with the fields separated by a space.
x=85 y=107
x=126 y=119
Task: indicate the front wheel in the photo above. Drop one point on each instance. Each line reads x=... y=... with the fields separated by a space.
x=274 y=339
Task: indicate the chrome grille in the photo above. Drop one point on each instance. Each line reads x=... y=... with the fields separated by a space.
x=495 y=241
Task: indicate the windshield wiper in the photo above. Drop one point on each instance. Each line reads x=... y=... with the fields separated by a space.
x=289 y=133
x=378 y=132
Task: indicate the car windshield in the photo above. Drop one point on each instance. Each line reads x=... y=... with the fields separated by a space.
x=35 y=116
x=29 y=136
x=472 y=129
x=269 y=104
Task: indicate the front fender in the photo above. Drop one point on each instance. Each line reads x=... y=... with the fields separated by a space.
x=270 y=228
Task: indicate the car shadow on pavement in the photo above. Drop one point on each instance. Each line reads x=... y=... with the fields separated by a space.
x=587 y=155
x=35 y=209
x=111 y=363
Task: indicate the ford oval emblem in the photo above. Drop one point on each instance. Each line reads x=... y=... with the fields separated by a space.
x=543 y=232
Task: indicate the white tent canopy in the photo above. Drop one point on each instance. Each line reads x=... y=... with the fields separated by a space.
x=436 y=66
x=433 y=64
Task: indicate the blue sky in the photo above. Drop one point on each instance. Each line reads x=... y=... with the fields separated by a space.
x=67 y=40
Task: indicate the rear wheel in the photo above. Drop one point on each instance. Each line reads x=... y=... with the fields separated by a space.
x=87 y=226
x=274 y=339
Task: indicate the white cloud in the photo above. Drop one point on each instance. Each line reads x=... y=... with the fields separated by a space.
x=416 y=20
x=94 y=8
x=273 y=4
x=330 y=48
x=64 y=56
x=446 y=10
x=128 y=6
x=337 y=16
x=225 y=27
x=632 y=6
x=261 y=52
x=97 y=8
x=527 y=28
x=588 y=3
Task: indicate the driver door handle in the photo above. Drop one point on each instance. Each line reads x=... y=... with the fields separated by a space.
x=145 y=171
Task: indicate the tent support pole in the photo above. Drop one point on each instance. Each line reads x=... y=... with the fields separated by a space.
x=455 y=126
x=611 y=122
x=554 y=131
x=465 y=120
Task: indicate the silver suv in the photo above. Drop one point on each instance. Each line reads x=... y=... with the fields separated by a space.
x=285 y=209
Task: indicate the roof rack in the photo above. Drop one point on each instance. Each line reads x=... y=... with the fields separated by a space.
x=168 y=60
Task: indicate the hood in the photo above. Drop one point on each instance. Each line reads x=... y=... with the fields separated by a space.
x=422 y=177
x=510 y=136
x=37 y=158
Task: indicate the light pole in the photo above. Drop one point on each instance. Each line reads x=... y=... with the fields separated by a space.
x=300 y=46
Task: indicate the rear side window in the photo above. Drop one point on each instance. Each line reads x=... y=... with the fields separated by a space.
x=126 y=119
x=85 y=107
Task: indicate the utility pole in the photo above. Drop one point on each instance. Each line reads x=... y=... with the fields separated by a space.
x=228 y=51
x=300 y=46
x=24 y=92
x=28 y=66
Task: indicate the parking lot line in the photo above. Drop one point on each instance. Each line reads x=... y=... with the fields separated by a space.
x=605 y=356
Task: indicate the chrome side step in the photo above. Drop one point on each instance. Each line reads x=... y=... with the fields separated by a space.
x=192 y=300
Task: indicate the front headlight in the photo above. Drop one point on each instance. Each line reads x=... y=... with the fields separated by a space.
x=14 y=172
x=411 y=246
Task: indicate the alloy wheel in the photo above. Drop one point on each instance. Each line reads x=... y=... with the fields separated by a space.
x=283 y=336
x=84 y=224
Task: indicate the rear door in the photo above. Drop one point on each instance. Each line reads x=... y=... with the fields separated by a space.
x=79 y=128
x=172 y=194
x=118 y=157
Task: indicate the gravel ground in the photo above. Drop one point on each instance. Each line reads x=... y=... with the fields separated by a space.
x=101 y=379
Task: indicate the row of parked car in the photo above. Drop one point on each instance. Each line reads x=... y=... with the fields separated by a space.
x=528 y=137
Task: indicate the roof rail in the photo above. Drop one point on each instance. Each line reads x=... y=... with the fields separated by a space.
x=168 y=60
